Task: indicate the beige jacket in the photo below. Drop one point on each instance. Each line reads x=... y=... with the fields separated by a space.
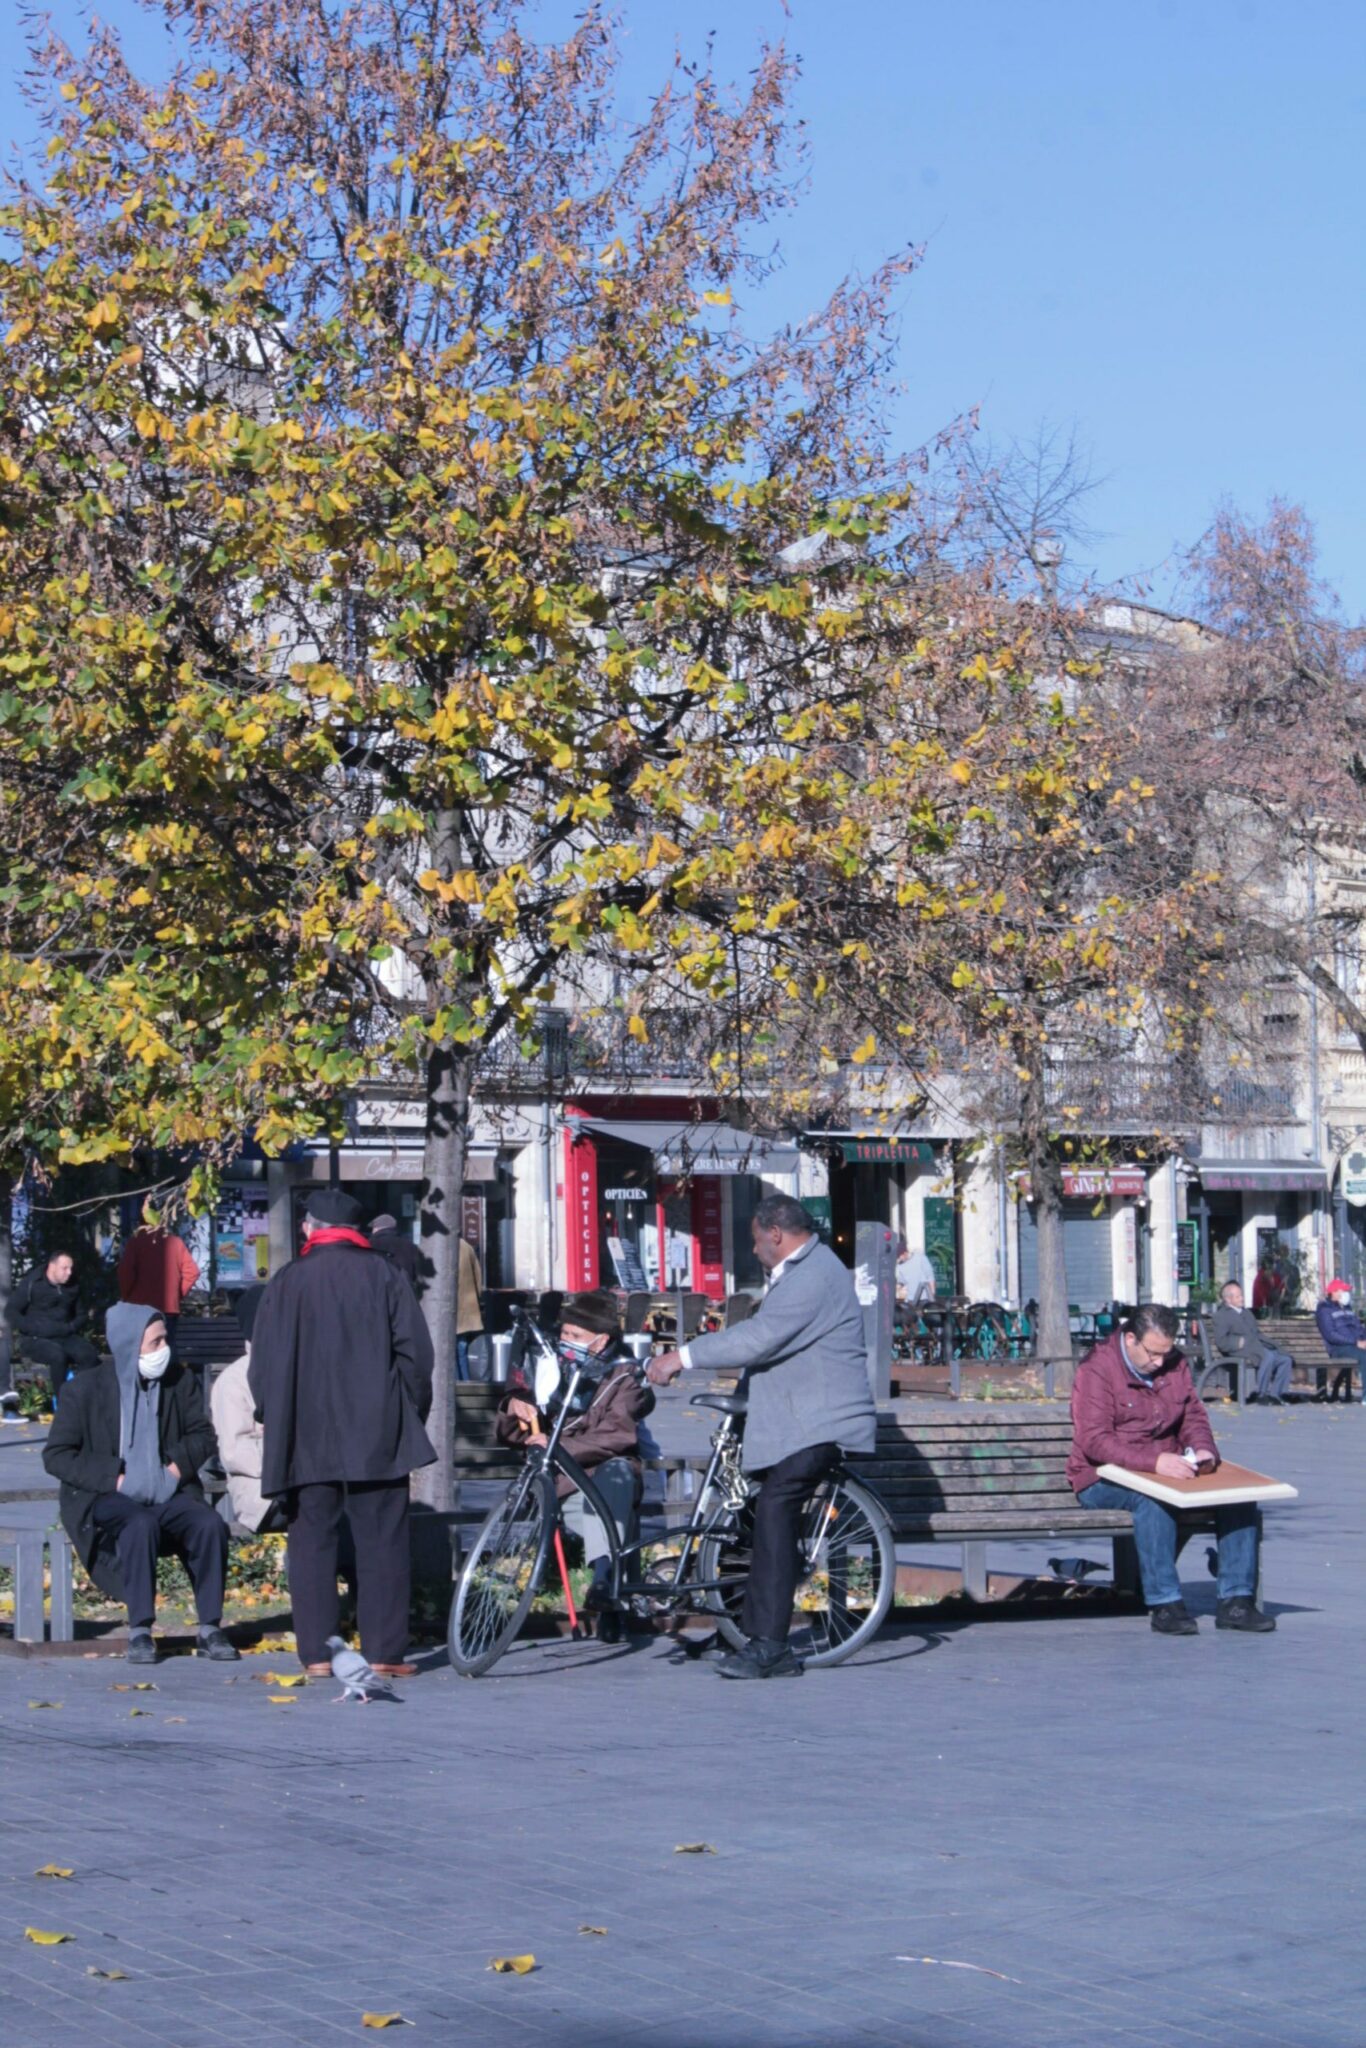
x=241 y=1442
x=468 y=1314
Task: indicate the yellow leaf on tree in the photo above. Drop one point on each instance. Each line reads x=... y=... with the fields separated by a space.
x=519 y=1966
x=636 y=1027
x=863 y=1053
x=961 y=771
x=716 y=298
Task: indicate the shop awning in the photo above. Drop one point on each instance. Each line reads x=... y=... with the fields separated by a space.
x=1262 y=1176
x=692 y=1148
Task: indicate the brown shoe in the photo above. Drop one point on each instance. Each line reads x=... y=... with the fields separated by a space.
x=394 y=1670
x=318 y=1670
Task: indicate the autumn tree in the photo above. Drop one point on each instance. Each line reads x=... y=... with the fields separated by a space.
x=400 y=604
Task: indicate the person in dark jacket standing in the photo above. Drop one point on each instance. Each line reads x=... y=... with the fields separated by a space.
x=388 y=1240
x=341 y=1375
x=45 y=1309
x=127 y=1446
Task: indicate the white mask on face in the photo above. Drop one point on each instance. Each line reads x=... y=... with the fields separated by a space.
x=153 y=1364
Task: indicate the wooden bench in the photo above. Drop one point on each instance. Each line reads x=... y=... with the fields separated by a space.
x=977 y=1482
x=207 y=1344
x=1299 y=1335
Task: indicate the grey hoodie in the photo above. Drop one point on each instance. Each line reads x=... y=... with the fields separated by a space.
x=145 y=1477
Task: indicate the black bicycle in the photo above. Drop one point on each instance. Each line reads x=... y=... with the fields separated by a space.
x=702 y=1566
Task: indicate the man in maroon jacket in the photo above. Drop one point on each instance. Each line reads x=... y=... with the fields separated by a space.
x=1134 y=1404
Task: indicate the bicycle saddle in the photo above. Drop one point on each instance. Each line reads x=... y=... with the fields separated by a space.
x=729 y=1404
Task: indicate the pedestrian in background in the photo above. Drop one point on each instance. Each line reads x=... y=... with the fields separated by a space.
x=45 y=1309
x=341 y=1380
x=156 y=1270
x=391 y=1244
x=469 y=1314
x=241 y=1438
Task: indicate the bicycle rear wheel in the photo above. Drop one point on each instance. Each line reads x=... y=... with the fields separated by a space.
x=501 y=1574
x=848 y=1577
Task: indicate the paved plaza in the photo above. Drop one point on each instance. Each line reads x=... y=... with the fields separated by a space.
x=1128 y=1840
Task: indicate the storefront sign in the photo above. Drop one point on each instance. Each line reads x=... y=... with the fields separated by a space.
x=625 y=1195
x=709 y=1251
x=1284 y=1180
x=472 y=1222
x=887 y=1152
x=1090 y=1183
x=1354 y=1180
x=581 y=1211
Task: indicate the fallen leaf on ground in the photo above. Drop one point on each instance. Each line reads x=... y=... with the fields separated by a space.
x=44 y=1939
x=110 y=1976
x=139 y=1685
x=35 y=1706
x=280 y=1677
x=592 y=1930
x=943 y=1963
x=281 y=1699
x=171 y=1720
x=53 y=1870
x=520 y=1966
x=384 y=2019
x=694 y=1849
x=139 y=1713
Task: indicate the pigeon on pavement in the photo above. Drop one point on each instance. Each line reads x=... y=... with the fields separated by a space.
x=359 y=1680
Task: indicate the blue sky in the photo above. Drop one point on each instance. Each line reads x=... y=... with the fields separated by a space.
x=1144 y=217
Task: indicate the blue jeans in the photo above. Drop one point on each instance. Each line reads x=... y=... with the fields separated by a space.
x=1157 y=1534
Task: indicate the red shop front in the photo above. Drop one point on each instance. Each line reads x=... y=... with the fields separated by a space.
x=646 y=1202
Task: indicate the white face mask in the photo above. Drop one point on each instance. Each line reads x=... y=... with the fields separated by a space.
x=153 y=1364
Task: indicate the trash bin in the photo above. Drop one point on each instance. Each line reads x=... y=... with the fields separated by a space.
x=501 y=1346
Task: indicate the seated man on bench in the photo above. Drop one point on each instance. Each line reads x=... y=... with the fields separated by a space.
x=1134 y=1404
x=127 y=1443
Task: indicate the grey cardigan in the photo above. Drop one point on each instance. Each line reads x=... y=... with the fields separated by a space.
x=805 y=1363
x=1237 y=1333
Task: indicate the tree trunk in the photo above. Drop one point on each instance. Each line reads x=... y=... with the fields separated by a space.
x=1045 y=1188
x=443 y=1169
x=6 y=1278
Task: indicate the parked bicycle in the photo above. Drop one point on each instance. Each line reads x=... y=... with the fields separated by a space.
x=848 y=1579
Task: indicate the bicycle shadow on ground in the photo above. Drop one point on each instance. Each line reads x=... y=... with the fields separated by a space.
x=539 y=1658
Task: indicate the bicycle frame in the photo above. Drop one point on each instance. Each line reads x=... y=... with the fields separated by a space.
x=551 y=1457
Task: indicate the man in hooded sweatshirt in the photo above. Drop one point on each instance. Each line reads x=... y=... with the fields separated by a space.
x=127 y=1445
x=341 y=1375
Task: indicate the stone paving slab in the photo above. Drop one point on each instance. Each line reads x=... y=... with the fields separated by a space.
x=1155 y=1844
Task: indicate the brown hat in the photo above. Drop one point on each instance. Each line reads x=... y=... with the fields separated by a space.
x=597 y=1312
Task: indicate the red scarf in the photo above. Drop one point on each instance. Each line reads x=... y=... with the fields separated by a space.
x=337 y=1233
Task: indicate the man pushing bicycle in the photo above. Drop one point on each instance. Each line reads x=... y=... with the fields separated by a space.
x=806 y=1377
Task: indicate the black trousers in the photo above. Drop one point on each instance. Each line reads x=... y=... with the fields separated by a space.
x=143 y=1533
x=378 y=1513
x=61 y=1355
x=775 y=1560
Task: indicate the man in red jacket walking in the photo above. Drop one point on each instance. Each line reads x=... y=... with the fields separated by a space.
x=1134 y=1404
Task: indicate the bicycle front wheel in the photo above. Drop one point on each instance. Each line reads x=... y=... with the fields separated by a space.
x=848 y=1572
x=500 y=1576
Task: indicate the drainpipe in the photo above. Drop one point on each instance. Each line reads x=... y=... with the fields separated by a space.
x=1314 y=1104
x=1003 y=1204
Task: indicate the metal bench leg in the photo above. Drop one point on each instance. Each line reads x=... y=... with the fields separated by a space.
x=63 y=1626
x=975 y=1570
x=28 y=1585
x=1127 y=1577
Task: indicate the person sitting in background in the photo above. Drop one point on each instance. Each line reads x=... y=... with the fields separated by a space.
x=127 y=1446
x=1134 y=1404
x=45 y=1309
x=914 y=1275
x=604 y=1440
x=1238 y=1336
x=241 y=1438
x=1344 y=1339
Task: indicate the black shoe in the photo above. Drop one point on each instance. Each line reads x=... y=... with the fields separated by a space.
x=762 y=1658
x=213 y=1643
x=1174 y=1618
x=1244 y=1615
x=141 y=1648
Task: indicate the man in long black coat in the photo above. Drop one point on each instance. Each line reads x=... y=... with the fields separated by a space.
x=341 y=1374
